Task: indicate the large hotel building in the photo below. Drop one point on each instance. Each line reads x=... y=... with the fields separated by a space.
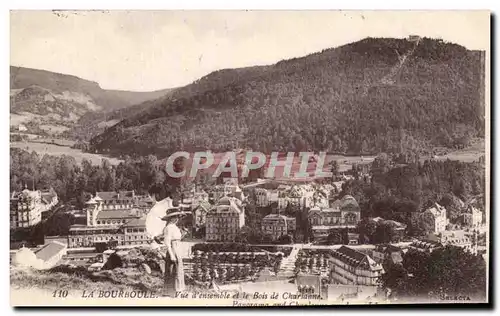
x=113 y=217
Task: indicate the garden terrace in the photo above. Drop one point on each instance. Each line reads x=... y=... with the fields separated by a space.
x=237 y=247
x=312 y=261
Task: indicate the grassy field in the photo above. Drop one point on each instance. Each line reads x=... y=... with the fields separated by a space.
x=58 y=150
x=470 y=154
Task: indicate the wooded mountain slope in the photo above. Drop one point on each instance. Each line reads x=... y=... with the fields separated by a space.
x=375 y=95
x=58 y=101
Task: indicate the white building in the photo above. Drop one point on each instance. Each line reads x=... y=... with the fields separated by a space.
x=473 y=217
x=225 y=220
x=276 y=225
x=349 y=266
x=434 y=219
x=456 y=238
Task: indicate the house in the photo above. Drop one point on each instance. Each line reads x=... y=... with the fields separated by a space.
x=227 y=189
x=276 y=225
x=26 y=208
x=425 y=245
x=111 y=200
x=456 y=238
x=44 y=258
x=433 y=219
x=349 y=266
x=225 y=219
x=343 y=213
x=262 y=197
x=472 y=217
x=50 y=254
x=200 y=215
x=49 y=198
x=383 y=253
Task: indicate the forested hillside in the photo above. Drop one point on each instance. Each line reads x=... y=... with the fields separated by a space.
x=55 y=103
x=375 y=95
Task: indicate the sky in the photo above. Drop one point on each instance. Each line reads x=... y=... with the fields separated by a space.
x=152 y=50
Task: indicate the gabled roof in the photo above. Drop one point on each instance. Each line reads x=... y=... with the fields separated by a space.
x=355 y=258
x=50 y=250
x=48 y=196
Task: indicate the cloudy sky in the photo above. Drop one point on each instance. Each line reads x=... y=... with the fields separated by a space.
x=150 y=50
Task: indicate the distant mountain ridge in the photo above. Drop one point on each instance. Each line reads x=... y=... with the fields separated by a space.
x=374 y=95
x=55 y=102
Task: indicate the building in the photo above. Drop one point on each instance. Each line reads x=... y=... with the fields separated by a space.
x=262 y=197
x=144 y=203
x=456 y=238
x=134 y=232
x=276 y=225
x=50 y=254
x=352 y=239
x=26 y=207
x=129 y=233
x=49 y=198
x=343 y=213
x=433 y=219
x=398 y=227
x=311 y=286
x=225 y=219
x=227 y=189
x=349 y=266
x=116 y=200
x=473 y=217
x=383 y=253
x=425 y=246
x=46 y=257
x=113 y=218
x=200 y=213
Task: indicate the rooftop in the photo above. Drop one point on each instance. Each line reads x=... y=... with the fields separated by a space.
x=136 y=222
x=117 y=214
x=111 y=195
x=50 y=250
x=355 y=258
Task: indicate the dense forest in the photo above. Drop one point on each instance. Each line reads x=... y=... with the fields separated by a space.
x=396 y=191
x=75 y=182
x=375 y=95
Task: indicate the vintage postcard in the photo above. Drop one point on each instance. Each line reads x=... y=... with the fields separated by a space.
x=249 y=158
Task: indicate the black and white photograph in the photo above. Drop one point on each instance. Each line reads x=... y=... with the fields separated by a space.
x=249 y=158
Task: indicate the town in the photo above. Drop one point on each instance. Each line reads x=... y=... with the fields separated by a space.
x=314 y=232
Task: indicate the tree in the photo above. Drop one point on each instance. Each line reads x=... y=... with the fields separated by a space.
x=335 y=238
x=448 y=270
x=384 y=233
x=285 y=239
x=335 y=170
x=366 y=228
x=395 y=278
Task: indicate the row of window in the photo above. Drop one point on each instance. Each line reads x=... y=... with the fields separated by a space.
x=211 y=230
x=110 y=222
x=107 y=238
x=117 y=206
x=271 y=228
